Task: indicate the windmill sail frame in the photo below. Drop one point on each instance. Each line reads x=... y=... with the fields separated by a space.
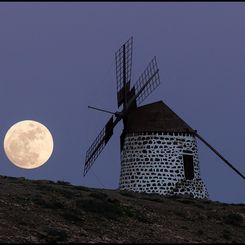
x=123 y=59
x=147 y=82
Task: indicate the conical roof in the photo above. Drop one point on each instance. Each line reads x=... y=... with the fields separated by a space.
x=157 y=117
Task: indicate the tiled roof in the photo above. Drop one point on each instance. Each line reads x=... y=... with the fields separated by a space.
x=155 y=117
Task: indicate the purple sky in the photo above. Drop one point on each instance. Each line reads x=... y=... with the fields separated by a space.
x=58 y=58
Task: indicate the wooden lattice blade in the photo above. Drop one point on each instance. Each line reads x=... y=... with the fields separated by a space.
x=123 y=70
x=98 y=145
x=148 y=81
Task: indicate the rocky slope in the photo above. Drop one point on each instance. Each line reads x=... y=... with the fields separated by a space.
x=46 y=211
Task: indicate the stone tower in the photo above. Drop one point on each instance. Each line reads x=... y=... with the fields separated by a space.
x=159 y=153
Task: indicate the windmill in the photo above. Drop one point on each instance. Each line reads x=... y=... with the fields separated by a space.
x=158 y=149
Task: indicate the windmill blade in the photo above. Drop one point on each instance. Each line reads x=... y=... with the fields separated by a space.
x=123 y=70
x=98 y=145
x=147 y=82
x=220 y=156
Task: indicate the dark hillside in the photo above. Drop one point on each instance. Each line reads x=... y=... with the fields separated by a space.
x=45 y=211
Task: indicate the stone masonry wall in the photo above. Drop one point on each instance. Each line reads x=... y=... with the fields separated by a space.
x=153 y=163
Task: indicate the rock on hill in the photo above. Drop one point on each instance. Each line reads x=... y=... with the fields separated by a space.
x=46 y=211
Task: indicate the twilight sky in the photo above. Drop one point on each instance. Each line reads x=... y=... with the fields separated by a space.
x=58 y=58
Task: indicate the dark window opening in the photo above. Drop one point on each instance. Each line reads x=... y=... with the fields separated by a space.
x=188 y=167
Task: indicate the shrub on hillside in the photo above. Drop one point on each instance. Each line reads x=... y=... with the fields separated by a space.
x=233 y=219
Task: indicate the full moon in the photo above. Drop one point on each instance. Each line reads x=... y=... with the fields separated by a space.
x=28 y=144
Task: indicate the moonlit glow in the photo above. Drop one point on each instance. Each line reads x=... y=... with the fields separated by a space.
x=28 y=144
